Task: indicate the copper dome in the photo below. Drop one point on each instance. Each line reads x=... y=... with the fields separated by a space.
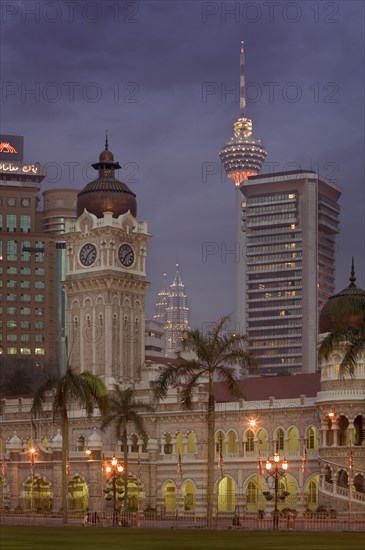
x=337 y=310
x=106 y=193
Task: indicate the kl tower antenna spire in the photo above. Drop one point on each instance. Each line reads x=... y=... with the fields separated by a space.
x=242 y=81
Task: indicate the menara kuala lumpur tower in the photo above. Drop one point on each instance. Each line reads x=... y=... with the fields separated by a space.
x=242 y=156
x=286 y=224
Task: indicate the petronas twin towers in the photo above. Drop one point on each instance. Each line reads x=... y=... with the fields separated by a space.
x=173 y=312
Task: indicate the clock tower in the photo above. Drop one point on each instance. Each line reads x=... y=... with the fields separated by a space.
x=106 y=279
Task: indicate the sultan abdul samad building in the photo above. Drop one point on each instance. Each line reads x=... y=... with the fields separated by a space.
x=316 y=421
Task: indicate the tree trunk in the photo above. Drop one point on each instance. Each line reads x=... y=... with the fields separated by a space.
x=125 y=465
x=211 y=451
x=64 y=466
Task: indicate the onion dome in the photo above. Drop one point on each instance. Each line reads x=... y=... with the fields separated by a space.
x=15 y=443
x=95 y=441
x=337 y=310
x=56 y=442
x=106 y=193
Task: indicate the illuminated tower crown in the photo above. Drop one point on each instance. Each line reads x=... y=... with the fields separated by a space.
x=242 y=156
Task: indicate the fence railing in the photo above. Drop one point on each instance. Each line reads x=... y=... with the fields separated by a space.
x=190 y=520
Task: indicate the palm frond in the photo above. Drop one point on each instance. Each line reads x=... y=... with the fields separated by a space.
x=339 y=336
x=228 y=376
x=186 y=395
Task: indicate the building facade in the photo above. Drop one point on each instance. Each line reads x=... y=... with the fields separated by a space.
x=32 y=303
x=289 y=226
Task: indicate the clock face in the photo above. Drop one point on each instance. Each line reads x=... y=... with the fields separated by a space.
x=88 y=254
x=126 y=255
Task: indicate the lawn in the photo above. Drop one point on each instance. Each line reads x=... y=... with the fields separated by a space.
x=19 y=537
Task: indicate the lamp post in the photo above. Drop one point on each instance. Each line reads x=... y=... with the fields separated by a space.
x=32 y=452
x=114 y=469
x=276 y=473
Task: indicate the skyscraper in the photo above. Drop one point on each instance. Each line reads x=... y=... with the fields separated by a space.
x=28 y=263
x=290 y=221
x=172 y=310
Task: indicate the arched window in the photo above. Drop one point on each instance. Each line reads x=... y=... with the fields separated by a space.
x=167 y=449
x=251 y=493
x=359 y=426
x=220 y=442
x=312 y=492
x=80 y=446
x=144 y=444
x=232 y=442
x=250 y=443
x=311 y=438
x=179 y=443
x=343 y=432
x=279 y=443
x=134 y=443
x=191 y=446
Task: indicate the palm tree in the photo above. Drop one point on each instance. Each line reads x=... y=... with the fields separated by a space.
x=352 y=336
x=124 y=410
x=87 y=390
x=214 y=351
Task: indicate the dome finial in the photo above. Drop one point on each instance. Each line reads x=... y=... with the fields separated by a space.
x=352 y=276
x=106 y=140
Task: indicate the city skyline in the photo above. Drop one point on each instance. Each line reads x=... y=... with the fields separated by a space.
x=160 y=79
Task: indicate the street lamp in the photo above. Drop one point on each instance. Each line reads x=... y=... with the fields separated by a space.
x=114 y=469
x=32 y=453
x=276 y=473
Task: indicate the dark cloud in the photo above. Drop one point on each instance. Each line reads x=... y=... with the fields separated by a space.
x=141 y=69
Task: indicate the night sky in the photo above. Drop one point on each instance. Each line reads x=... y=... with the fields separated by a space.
x=161 y=77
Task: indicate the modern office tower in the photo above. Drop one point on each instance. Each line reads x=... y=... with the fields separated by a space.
x=27 y=266
x=59 y=207
x=172 y=312
x=242 y=156
x=289 y=221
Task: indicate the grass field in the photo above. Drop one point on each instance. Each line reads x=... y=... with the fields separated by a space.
x=19 y=537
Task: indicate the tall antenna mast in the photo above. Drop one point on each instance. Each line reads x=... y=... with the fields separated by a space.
x=242 y=82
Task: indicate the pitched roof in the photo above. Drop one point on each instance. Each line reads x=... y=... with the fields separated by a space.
x=280 y=387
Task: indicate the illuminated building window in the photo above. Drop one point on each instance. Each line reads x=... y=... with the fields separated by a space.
x=250 y=441
x=12 y=248
x=25 y=224
x=11 y=222
x=25 y=251
x=279 y=443
x=25 y=351
x=12 y=351
x=11 y=310
x=39 y=311
x=39 y=351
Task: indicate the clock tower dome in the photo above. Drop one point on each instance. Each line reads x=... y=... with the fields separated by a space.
x=106 y=280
